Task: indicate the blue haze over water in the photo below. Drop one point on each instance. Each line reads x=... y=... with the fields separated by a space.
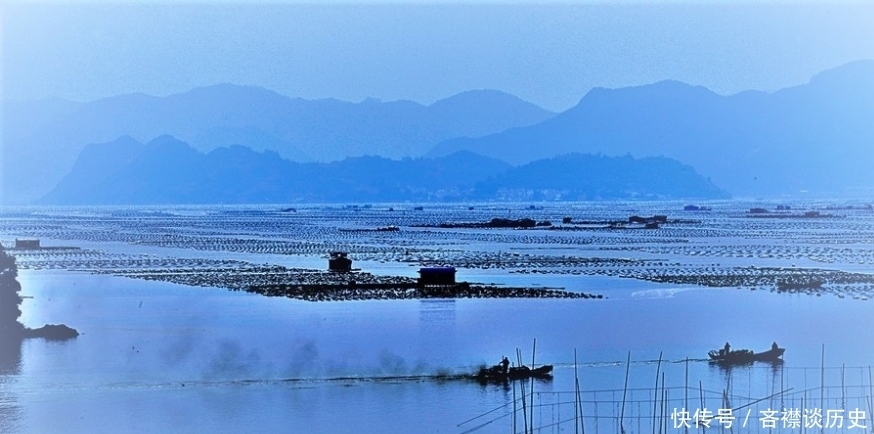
x=753 y=100
x=157 y=356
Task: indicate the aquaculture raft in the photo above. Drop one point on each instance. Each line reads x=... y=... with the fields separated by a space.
x=400 y=291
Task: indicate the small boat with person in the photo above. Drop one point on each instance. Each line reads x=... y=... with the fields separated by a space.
x=728 y=356
x=503 y=372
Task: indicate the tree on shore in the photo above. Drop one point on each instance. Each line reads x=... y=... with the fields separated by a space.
x=10 y=301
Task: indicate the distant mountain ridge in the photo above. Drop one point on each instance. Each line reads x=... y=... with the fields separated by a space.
x=222 y=115
x=814 y=138
x=817 y=137
x=579 y=177
x=169 y=171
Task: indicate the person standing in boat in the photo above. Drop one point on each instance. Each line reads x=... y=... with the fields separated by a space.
x=505 y=365
x=774 y=346
x=726 y=349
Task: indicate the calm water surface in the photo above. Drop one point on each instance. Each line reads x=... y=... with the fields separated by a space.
x=161 y=357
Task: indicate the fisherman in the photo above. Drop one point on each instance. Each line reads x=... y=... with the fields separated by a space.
x=774 y=345
x=505 y=365
x=727 y=348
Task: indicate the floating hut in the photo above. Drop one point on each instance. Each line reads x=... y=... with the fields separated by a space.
x=338 y=262
x=696 y=208
x=436 y=276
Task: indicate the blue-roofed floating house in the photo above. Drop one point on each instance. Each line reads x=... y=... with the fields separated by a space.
x=436 y=276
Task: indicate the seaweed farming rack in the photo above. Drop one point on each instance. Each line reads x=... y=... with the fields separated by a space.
x=801 y=400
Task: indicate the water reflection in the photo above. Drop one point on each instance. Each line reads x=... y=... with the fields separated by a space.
x=775 y=365
x=750 y=383
x=437 y=326
x=437 y=314
x=10 y=368
x=10 y=357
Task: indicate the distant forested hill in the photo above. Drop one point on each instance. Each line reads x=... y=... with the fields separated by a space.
x=169 y=171
x=815 y=138
x=223 y=115
x=599 y=177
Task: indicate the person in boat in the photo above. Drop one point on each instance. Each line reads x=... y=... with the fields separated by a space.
x=505 y=365
x=726 y=349
x=774 y=345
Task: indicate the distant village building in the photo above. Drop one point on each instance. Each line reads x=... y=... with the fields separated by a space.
x=696 y=208
x=436 y=276
x=338 y=262
x=27 y=244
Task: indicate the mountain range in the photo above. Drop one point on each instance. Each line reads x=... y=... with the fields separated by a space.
x=169 y=171
x=815 y=138
x=223 y=115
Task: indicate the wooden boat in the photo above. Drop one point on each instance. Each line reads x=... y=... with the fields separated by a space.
x=740 y=357
x=497 y=374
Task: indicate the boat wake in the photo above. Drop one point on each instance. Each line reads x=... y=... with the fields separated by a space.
x=660 y=293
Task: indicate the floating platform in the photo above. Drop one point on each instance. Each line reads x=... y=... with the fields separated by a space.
x=407 y=291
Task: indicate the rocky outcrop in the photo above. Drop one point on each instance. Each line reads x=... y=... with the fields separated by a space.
x=52 y=332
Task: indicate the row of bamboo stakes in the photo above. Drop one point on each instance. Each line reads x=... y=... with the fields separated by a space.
x=659 y=397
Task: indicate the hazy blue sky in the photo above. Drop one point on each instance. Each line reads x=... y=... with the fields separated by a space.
x=548 y=54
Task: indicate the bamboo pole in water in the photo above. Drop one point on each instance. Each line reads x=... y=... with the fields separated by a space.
x=514 y=408
x=868 y=398
x=701 y=396
x=871 y=394
x=576 y=393
x=579 y=397
x=686 y=393
x=783 y=382
x=522 y=389
x=533 y=351
x=804 y=425
x=843 y=390
x=595 y=402
x=664 y=405
x=624 y=394
x=655 y=395
x=580 y=404
x=822 y=384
